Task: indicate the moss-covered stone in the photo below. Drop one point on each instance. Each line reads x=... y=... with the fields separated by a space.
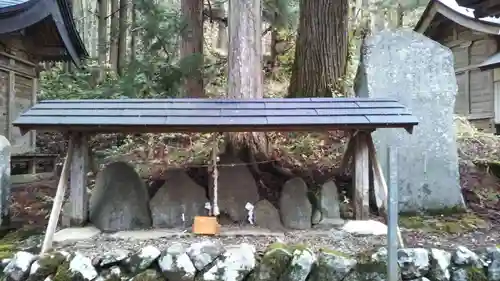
x=46 y=265
x=273 y=263
x=476 y=274
x=63 y=273
x=148 y=275
x=300 y=266
x=332 y=265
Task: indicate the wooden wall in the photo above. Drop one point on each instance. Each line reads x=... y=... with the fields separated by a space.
x=475 y=97
x=18 y=88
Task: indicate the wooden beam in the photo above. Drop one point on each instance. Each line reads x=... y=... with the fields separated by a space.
x=379 y=182
x=361 y=177
x=11 y=94
x=78 y=180
x=348 y=153
x=58 y=200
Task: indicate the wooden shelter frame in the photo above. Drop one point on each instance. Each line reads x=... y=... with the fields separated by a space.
x=360 y=154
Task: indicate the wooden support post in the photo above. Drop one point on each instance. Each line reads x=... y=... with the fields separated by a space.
x=11 y=95
x=58 y=200
x=215 y=174
x=361 y=177
x=380 y=183
x=348 y=153
x=78 y=181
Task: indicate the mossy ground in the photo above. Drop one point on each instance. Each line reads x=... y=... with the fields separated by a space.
x=455 y=223
x=9 y=242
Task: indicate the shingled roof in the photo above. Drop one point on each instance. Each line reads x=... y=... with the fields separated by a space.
x=208 y=115
x=49 y=23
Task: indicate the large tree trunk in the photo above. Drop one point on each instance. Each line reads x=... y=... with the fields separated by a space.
x=113 y=35
x=245 y=67
x=122 y=37
x=192 y=45
x=321 y=48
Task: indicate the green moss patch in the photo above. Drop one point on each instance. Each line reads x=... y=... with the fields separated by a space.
x=48 y=265
x=458 y=223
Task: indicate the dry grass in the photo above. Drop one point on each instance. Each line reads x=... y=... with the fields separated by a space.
x=474 y=145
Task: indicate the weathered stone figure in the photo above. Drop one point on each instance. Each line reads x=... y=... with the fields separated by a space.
x=419 y=73
x=120 y=199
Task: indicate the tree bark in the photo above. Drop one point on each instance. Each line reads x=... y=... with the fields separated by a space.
x=321 y=48
x=122 y=37
x=245 y=67
x=192 y=46
x=133 y=33
x=102 y=42
x=221 y=42
x=113 y=35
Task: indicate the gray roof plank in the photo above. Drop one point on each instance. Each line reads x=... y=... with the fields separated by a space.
x=192 y=114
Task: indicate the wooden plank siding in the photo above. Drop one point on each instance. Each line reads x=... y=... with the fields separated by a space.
x=18 y=88
x=476 y=89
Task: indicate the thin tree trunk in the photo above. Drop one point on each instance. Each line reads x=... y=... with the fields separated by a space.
x=245 y=67
x=221 y=43
x=321 y=48
x=122 y=37
x=192 y=45
x=113 y=35
x=133 y=33
x=103 y=11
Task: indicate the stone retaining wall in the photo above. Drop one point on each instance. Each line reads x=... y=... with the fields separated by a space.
x=210 y=261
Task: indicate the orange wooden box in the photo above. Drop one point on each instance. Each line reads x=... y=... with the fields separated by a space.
x=206 y=225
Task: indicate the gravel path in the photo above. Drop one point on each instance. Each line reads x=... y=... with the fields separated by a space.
x=315 y=239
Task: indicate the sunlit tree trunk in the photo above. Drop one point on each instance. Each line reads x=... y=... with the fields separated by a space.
x=102 y=34
x=192 y=45
x=245 y=66
x=133 y=33
x=122 y=37
x=321 y=48
x=113 y=35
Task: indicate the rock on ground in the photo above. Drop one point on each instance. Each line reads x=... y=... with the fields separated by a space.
x=143 y=259
x=369 y=227
x=178 y=201
x=267 y=216
x=414 y=263
x=234 y=265
x=300 y=267
x=329 y=201
x=236 y=188
x=203 y=253
x=19 y=267
x=119 y=200
x=295 y=208
x=331 y=265
x=273 y=264
x=175 y=264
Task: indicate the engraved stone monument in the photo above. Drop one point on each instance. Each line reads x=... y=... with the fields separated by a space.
x=5 y=152
x=418 y=72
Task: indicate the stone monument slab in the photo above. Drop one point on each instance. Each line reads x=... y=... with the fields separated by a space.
x=419 y=73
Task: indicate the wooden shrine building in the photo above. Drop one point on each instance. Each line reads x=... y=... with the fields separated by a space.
x=31 y=32
x=474 y=38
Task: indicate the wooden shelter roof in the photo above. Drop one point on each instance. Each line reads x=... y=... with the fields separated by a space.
x=463 y=16
x=49 y=23
x=482 y=7
x=210 y=115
